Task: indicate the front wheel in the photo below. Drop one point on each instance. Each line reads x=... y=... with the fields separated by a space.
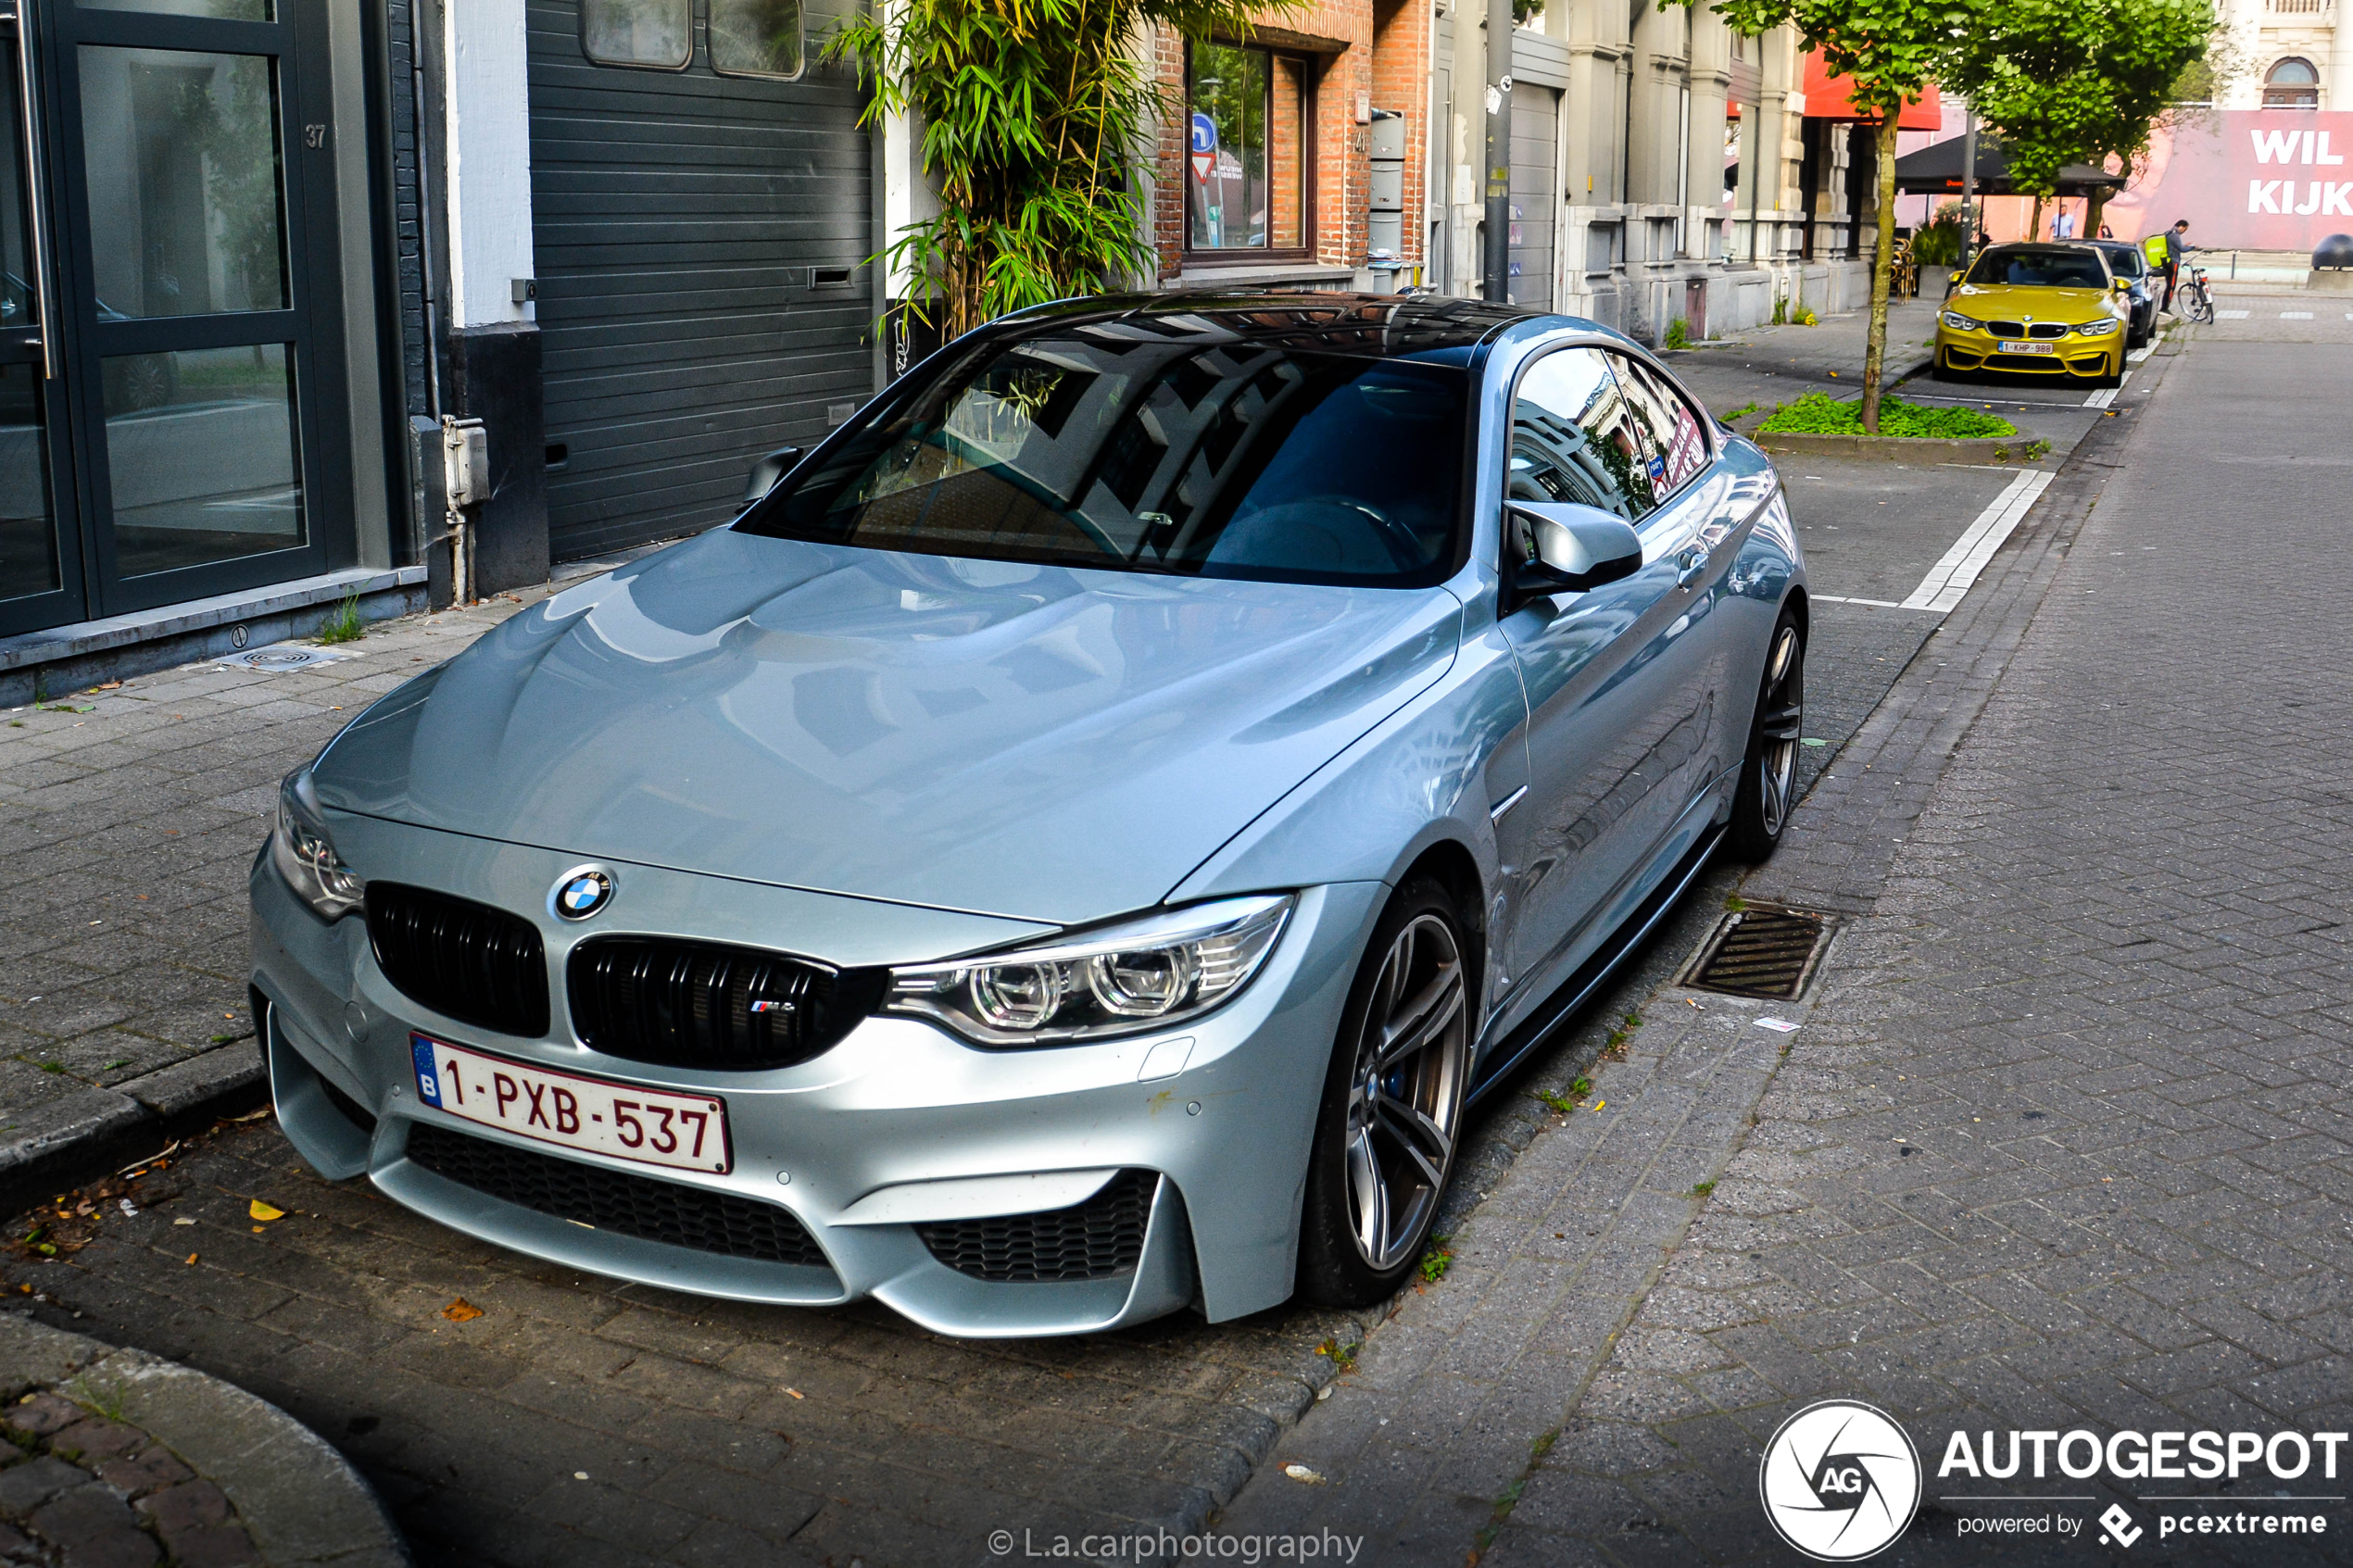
x=1393 y=1105
x=1761 y=804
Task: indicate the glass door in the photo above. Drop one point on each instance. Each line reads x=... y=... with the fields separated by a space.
x=40 y=579
x=187 y=371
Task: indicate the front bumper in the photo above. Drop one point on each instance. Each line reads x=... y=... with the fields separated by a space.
x=899 y=1124
x=2071 y=355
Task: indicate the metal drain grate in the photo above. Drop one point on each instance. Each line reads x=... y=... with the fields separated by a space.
x=279 y=656
x=1760 y=952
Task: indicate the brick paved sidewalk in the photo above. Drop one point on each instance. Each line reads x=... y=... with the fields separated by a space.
x=2065 y=1143
x=129 y=817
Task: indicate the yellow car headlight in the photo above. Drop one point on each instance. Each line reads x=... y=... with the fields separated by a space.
x=1961 y=323
x=2100 y=328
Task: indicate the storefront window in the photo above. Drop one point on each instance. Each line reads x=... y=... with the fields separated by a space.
x=755 y=37
x=1247 y=154
x=639 y=33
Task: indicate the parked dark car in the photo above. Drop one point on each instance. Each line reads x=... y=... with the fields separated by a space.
x=2124 y=259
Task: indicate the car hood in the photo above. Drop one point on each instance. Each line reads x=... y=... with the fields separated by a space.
x=1052 y=744
x=2022 y=299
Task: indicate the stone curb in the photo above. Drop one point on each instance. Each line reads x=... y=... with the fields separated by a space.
x=83 y=1136
x=1896 y=449
x=300 y=1499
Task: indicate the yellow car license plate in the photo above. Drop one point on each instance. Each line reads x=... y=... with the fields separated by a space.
x=2028 y=348
x=653 y=1126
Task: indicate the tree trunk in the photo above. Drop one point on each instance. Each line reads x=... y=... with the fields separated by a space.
x=1883 y=265
x=2098 y=203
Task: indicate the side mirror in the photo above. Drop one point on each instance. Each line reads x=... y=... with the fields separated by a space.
x=1561 y=548
x=770 y=469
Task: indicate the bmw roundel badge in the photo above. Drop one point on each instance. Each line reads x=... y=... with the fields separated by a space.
x=583 y=894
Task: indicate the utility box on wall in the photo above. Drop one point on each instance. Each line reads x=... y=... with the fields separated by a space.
x=1385 y=237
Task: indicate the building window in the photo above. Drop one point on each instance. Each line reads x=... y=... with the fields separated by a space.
x=2292 y=85
x=1247 y=152
x=755 y=37
x=656 y=33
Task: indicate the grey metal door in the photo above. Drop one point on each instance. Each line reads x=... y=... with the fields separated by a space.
x=699 y=230
x=1535 y=200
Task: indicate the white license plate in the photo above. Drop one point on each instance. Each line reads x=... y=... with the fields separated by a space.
x=652 y=1126
x=2028 y=348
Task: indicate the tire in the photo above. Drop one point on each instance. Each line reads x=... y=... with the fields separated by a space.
x=1762 y=802
x=1375 y=1174
x=1941 y=371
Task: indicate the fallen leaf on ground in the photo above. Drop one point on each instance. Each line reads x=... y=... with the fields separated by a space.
x=264 y=1211
x=795 y=1393
x=192 y=1257
x=183 y=1221
x=461 y=1310
x=1301 y=1473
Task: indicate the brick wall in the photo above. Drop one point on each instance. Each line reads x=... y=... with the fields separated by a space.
x=1375 y=52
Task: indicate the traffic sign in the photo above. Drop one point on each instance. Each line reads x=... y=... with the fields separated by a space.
x=1204 y=136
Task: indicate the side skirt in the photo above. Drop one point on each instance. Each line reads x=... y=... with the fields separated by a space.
x=1580 y=987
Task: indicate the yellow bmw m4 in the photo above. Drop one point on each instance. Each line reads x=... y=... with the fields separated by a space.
x=2043 y=309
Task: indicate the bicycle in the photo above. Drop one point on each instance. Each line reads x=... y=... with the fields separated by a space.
x=2195 y=299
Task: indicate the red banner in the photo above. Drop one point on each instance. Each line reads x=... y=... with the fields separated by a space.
x=2246 y=179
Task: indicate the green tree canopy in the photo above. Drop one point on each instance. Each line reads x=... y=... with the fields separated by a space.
x=2076 y=80
x=1889 y=51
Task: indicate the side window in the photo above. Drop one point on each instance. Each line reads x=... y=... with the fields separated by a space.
x=1574 y=439
x=659 y=34
x=755 y=37
x=1678 y=442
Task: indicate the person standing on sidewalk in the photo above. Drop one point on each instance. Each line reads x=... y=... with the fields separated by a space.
x=2176 y=245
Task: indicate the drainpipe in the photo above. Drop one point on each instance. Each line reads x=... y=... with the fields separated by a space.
x=1498 y=257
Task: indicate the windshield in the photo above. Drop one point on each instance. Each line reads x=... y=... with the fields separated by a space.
x=2040 y=269
x=2123 y=260
x=1147 y=447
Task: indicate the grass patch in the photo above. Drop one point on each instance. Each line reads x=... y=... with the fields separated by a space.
x=1677 y=334
x=1701 y=1189
x=345 y=625
x=1741 y=412
x=1818 y=413
x=1436 y=1259
x=1342 y=1356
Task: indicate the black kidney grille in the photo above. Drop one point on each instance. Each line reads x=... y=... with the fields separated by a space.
x=464 y=959
x=2007 y=329
x=614 y=1200
x=1097 y=1239
x=699 y=1004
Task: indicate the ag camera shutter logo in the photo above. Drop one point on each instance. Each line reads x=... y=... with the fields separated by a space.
x=1840 y=1481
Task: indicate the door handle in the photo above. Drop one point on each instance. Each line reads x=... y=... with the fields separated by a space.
x=18 y=15
x=1690 y=563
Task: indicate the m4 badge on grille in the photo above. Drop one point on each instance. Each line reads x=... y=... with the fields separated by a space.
x=583 y=894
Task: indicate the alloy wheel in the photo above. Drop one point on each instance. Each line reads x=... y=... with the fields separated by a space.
x=1405 y=1092
x=1781 y=720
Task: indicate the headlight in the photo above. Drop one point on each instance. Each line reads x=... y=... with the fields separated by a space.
x=1961 y=323
x=2100 y=328
x=306 y=856
x=1145 y=974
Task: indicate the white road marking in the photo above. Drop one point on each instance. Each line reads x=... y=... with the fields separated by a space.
x=1950 y=577
x=2296 y=315
x=2141 y=353
x=2104 y=396
x=2230 y=315
x=1876 y=604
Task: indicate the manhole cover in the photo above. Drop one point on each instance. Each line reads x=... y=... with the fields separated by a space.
x=279 y=656
x=1759 y=952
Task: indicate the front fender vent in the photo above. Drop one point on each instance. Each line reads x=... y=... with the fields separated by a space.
x=1099 y=1238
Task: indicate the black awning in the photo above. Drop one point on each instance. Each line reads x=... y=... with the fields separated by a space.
x=1936 y=170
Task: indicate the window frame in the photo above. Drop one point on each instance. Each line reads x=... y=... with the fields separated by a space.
x=2308 y=92
x=739 y=72
x=594 y=59
x=1246 y=255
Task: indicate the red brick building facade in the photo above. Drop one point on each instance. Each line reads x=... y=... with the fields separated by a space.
x=1346 y=59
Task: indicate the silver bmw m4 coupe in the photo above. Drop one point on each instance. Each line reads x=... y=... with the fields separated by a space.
x=1074 y=846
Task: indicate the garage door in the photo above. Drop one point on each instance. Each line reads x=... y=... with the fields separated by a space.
x=698 y=234
x=1535 y=202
